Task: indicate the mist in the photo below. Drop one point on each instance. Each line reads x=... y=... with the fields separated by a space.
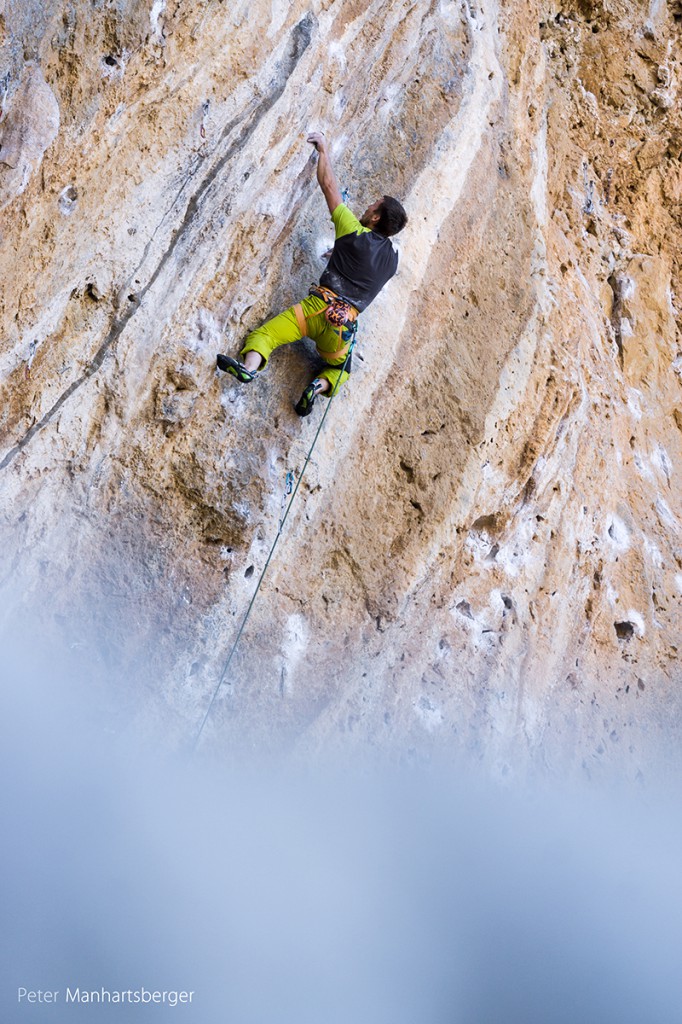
x=337 y=892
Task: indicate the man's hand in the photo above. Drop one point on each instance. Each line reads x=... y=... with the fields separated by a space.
x=317 y=140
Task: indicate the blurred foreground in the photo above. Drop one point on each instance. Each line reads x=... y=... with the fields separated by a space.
x=321 y=893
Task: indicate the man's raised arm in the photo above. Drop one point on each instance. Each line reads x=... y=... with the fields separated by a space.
x=326 y=178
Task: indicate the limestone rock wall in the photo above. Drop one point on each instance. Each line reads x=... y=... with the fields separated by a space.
x=485 y=557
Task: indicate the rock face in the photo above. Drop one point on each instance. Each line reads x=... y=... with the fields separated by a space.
x=31 y=127
x=484 y=557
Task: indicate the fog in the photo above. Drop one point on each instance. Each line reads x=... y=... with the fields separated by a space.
x=313 y=894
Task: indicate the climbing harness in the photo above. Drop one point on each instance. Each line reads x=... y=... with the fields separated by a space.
x=339 y=312
x=290 y=492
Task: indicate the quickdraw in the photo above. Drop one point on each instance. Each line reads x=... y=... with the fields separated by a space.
x=288 y=487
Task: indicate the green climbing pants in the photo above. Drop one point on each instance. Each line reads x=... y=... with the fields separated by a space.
x=284 y=329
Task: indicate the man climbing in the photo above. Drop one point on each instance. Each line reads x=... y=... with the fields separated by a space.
x=362 y=261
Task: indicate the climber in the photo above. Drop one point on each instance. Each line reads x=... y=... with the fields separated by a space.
x=361 y=262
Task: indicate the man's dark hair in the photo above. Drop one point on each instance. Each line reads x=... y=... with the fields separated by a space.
x=393 y=218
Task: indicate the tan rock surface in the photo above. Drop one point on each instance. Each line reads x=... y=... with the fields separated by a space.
x=485 y=554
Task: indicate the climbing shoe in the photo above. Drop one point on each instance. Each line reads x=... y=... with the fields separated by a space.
x=304 y=406
x=237 y=369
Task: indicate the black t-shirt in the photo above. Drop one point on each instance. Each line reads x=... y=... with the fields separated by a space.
x=361 y=263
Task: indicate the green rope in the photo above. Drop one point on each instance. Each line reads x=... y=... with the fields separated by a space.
x=282 y=521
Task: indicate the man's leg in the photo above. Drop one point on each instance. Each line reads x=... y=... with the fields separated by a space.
x=253 y=361
x=260 y=344
x=333 y=376
x=327 y=383
x=244 y=372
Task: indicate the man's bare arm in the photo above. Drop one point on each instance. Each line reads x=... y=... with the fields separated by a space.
x=326 y=178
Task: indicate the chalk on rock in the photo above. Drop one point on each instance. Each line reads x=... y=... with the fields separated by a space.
x=31 y=126
x=209 y=333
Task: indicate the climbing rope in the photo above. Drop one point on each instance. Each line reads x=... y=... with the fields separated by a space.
x=284 y=512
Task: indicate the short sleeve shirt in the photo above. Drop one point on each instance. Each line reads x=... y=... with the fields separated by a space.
x=362 y=260
x=346 y=223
